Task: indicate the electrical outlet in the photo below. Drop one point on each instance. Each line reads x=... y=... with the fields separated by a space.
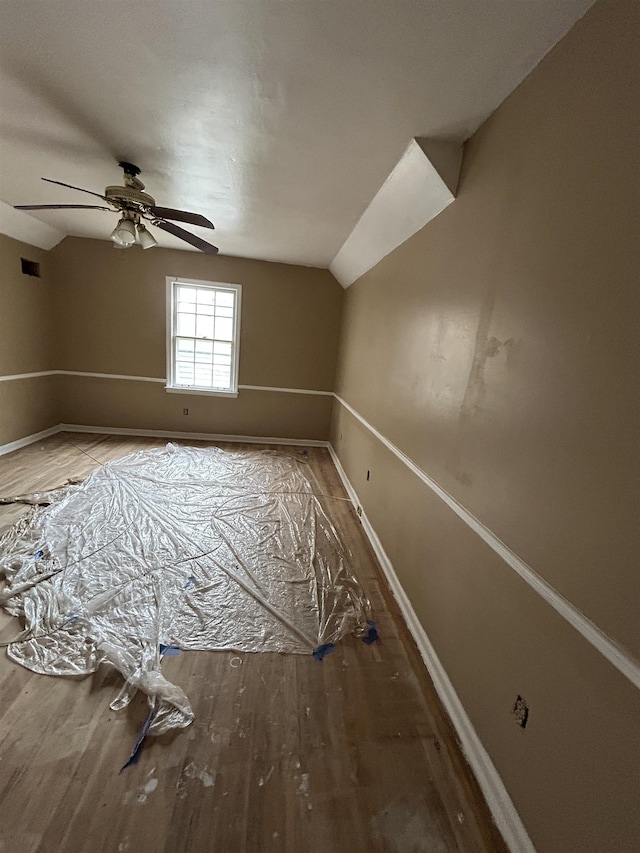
x=185 y=411
x=520 y=711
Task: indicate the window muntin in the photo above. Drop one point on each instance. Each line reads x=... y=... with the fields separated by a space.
x=204 y=323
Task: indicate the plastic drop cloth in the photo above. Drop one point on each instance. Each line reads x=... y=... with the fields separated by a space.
x=199 y=548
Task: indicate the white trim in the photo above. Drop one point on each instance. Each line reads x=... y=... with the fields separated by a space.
x=158 y=433
x=28 y=439
x=27 y=375
x=285 y=390
x=504 y=812
x=194 y=436
x=108 y=375
x=619 y=657
x=176 y=388
x=185 y=389
x=9 y=378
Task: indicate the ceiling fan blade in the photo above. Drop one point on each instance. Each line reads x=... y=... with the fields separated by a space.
x=61 y=184
x=181 y=216
x=60 y=207
x=170 y=228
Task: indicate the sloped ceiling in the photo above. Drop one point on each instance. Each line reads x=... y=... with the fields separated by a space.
x=278 y=120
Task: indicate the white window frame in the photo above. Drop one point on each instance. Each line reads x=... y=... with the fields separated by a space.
x=172 y=386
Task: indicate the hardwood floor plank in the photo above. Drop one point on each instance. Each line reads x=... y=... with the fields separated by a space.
x=286 y=753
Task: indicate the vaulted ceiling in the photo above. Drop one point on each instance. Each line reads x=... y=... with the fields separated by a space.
x=277 y=119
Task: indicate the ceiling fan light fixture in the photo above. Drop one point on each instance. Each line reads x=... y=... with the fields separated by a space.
x=146 y=238
x=124 y=233
x=133 y=203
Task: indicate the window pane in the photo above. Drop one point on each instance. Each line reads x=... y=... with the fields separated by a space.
x=184 y=349
x=206 y=297
x=184 y=373
x=204 y=351
x=204 y=326
x=186 y=325
x=221 y=377
x=203 y=375
x=224 y=312
x=187 y=294
x=186 y=305
x=204 y=344
x=224 y=329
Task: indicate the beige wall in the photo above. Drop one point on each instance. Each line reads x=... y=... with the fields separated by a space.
x=98 y=310
x=497 y=349
x=109 y=317
x=26 y=405
x=146 y=405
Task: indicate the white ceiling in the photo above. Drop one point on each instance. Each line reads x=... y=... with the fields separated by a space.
x=277 y=119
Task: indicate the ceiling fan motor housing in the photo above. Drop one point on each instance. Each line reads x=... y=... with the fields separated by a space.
x=129 y=195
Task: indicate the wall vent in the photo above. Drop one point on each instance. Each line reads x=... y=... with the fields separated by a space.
x=30 y=267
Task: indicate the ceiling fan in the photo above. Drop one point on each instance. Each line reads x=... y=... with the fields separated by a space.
x=135 y=205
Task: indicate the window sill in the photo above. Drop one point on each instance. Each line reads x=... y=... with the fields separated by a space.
x=185 y=389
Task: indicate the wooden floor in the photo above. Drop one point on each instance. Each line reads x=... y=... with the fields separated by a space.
x=351 y=755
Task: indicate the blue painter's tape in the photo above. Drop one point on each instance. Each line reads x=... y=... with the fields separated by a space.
x=323 y=651
x=137 y=748
x=372 y=634
x=170 y=651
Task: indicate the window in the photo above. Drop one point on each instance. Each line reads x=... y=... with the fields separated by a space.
x=203 y=334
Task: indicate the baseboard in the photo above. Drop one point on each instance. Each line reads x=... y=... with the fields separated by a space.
x=502 y=809
x=195 y=436
x=158 y=433
x=28 y=439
